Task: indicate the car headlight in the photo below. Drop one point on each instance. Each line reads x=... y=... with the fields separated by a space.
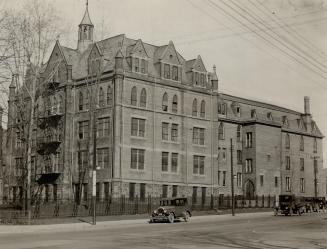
x=155 y=212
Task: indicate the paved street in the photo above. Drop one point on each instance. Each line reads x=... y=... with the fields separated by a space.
x=257 y=230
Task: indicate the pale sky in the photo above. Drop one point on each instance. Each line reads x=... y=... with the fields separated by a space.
x=280 y=65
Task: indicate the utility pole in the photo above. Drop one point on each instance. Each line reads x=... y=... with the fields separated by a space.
x=315 y=169
x=232 y=176
x=94 y=175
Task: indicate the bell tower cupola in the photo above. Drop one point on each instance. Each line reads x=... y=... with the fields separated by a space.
x=85 y=31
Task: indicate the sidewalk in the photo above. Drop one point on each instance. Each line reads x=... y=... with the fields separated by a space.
x=85 y=223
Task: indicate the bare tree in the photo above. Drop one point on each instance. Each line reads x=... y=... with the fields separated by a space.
x=26 y=36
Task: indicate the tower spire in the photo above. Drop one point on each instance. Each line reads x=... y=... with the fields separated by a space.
x=85 y=32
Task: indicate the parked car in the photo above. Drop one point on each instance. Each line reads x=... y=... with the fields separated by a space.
x=289 y=205
x=171 y=209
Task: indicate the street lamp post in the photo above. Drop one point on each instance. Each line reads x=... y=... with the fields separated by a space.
x=232 y=176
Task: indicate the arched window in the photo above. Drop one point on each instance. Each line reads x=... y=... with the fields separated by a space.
x=287 y=141
x=175 y=104
x=195 y=108
x=109 y=96
x=238 y=133
x=203 y=109
x=134 y=96
x=101 y=97
x=54 y=105
x=221 y=131
x=143 y=98
x=301 y=144
x=165 y=102
x=80 y=101
x=315 y=146
x=60 y=109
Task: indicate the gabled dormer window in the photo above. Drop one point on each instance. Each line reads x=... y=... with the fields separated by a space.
x=136 y=65
x=222 y=108
x=285 y=121
x=166 y=71
x=253 y=113
x=175 y=73
x=269 y=116
x=140 y=65
x=144 y=66
x=200 y=79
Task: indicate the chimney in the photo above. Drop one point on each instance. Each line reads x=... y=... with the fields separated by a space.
x=306 y=105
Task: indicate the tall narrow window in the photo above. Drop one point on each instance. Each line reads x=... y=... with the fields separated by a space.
x=134 y=96
x=60 y=107
x=103 y=127
x=164 y=161
x=174 y=162
x=164 y=191
x=103 y=158
x=287 y=141
x=301 y=143
x=166 y=71
x=249 y=139
x=175 y=191
x=175 y=73
x=131 y=191
x=165 y=131
x=87 y=101
x=221 y=131
x=165 y=102
x=203 y=109
x=238 y=134
x=301 y=164
x=315 y=145
x=198 y=135
x=174 y=132
x=198 y=165
x=101 y=97
x=144 y=66
x=138 y=127
x=80 y=101
x=137 y=159
x=276 y=181
x=143 y=98
x=195 y=108
x=175 y=104
x=302 y=186
x=239 y=156
x=54 y=105
x=248 y=166
x=109 y=96
x=142 y=191
x=261 y=180
x=287 y=163
x=288 y=183
x=136 y=64
x=224 y=178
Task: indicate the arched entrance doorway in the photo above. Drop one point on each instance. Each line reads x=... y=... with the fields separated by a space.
x=249 y=190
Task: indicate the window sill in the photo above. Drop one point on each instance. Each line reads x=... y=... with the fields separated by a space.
x=199 y=145
x=198 y=175
x=138 y=138
x=138 y=170
x=169 y=142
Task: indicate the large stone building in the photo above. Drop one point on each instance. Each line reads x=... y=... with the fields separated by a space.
x=159 y=127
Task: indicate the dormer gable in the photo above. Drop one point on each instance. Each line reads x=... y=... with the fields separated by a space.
x=285 y=122
x=270 y=116
x=138 y=50
x=95 y=60
x=56 y=68
x=300 y=124
x=254 y=114
x=169 y=55
x=199 y=65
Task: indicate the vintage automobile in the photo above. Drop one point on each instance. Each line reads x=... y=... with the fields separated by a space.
x=171 y=209
x=289 y=205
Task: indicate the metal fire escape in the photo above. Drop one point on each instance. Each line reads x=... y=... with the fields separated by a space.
x=50 y=137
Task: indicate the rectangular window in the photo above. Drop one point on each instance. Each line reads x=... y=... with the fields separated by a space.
x=166 y=71
x=222 y=108
x=137 y=159
x=261 y=180
x=103 y=127
x=302 y=186
x=224 y=178
x=195 y=194
x=301 y=164
x=131 y=190
x=138 y=127
x=198 y=135
x=174 y=162
x=164 y=191
x=248 y=166
x=239 y=156
x=144 y=66
x=136 y=64
x=218 y=177
x=98 y=191
x=239 y=180
x=82 y=160
x=276 y=181
x=103 y=158
x=175 y=191
x=288 y=183
x=175 y=73
x=174 y=132
x=249 y=139
x=165 y=131
x=83 y=130
x=198 y=165
x=19 y=166
x=164 y=161
x=287 y=163
x=142 y=191
x=84 y=186
x=204 y=193
x=106 y=191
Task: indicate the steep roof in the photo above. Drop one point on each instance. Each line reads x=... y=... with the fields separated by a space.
x=86 y=18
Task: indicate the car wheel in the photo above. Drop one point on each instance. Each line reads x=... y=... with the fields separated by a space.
x=171 y=218
x=187 y=217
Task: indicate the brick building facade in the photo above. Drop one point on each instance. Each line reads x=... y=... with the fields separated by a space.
x=159 y=127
